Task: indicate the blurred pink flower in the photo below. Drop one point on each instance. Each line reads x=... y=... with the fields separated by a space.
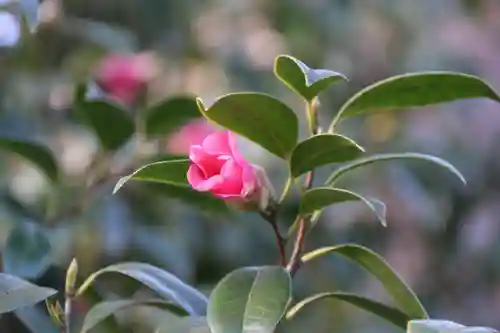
x=218 y=167
x=123 y=77
x=193 y=133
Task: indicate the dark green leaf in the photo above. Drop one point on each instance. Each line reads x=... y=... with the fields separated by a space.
x=17 y=293
x=27 y=252
x=444 y=326
x=305 y=81
x=322 y=149
x=388 y=313
x=169 y=114
x=387 y=157
x=162 y=282
x=404 y=297
x=249 y=300
x=103 y=310
x=36 y=319
x=261 y=118
x=202 y=200
x=318 y=198
x=37 y=154
x=109 y=122
x=173 y=172
x=414 y=90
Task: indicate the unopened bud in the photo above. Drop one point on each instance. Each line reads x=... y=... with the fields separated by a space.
x=71 y=275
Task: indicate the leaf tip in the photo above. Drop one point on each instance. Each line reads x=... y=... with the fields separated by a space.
x=120 y=183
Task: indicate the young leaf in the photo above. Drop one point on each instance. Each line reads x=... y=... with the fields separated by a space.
x=17 y=293
x=261 y=118
x=320 y=150
x=103 y=310
x=171 y=172
x=164 y=283
x=383 y=311
x=402 y=295
x=318 y=198
x=305 y=81
x=27 y=251
x=249 y=300
x=35 y=153
x=169 y=114
x=414 y=90
x=444 y=326
x=108 y=120
x=387 y=157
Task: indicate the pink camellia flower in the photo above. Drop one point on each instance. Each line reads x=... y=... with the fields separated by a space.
x=218 y=167
x=193 y=133
x=123 y=77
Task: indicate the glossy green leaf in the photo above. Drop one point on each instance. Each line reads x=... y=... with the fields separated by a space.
x=168 y=115
x=103 y=310
x=383 y=311
x=162 y=282
x=414 y=90
x=261 y=118
x=307 y=82
x=402 y=295
x=37 y=154
x=318 y=198
x=27 y=252
x=111 y=124
x=17 y=293
x=173 y=172
x=387 y=157
x=249 y=300
x=322 y=149
x=444 y=326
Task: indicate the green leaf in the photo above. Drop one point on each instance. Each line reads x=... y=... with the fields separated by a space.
x=318 y=198
x=322 y=149
x=27 y=253
x=261 y=118
x=248 y=300
x=402 y=295
x=444 y=326
x=168 y=115
x=387 y=157
x=36 y=319
x=386 y=312
x=162 y=282
x=202 y=200
x=30 y=12
x=185 y=325
x=35 y=153
x=414 y=90
x=173 y=172
x=108 y=120
x=103 y=310
x=305 y=81
x=17 y=293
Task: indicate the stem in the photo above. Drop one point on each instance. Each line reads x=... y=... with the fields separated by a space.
x=286 y=189
x=68 y=313
x=294 y=262
x=280 y=241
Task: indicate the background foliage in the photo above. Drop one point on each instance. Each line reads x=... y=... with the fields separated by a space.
x=442 y=237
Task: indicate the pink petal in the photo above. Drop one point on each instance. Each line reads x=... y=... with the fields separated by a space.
x=233 y=145
x=195 y=175
x=231 y=173
x=217 y=143
x=211 y=184
x=209 y=164
x=249 y=181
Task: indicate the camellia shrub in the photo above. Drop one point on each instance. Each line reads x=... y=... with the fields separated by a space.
x=249 y=299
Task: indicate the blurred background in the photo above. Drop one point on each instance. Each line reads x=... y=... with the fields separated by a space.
x=443 y=238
